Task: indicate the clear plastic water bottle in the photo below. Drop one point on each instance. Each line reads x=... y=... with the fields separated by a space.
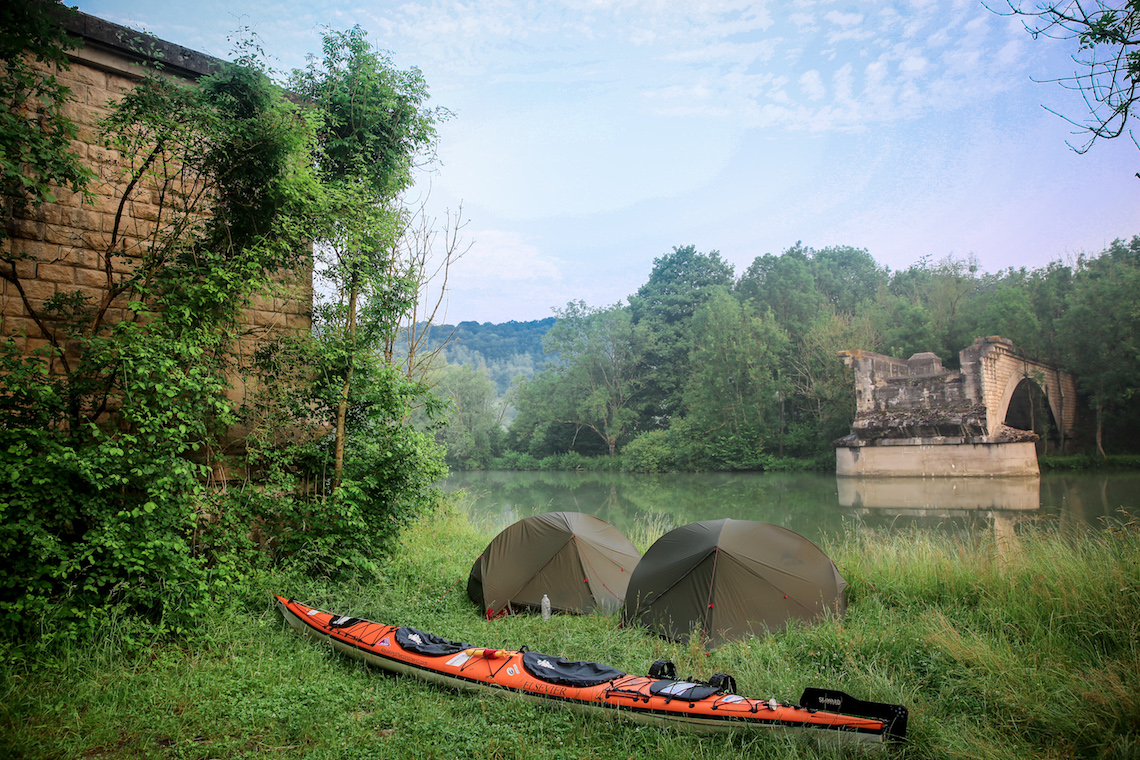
x=545 y=607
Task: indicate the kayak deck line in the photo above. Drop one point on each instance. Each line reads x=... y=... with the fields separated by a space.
x=658 y=698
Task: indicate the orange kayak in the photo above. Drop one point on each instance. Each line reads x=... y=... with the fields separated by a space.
x=658 y=698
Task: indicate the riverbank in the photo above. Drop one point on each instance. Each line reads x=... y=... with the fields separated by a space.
x=573 y=462
x=1025 y=648
x=1088 y=462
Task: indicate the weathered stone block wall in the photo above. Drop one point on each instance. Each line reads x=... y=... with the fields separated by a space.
x=61 y=243
x=886 y=384
x=914 y=418
x=993 y=363
x=64 y=244
x=893 y=395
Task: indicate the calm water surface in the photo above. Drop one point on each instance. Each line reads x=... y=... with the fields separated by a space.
x=812 y=504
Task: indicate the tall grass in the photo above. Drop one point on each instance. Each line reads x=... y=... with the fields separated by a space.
x=1027 y=647
x=1037 y=635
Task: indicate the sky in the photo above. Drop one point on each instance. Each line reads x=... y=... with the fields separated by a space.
x=590 y=137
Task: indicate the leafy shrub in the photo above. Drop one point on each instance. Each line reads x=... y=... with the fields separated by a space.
x=1089 y=462
x=649 y=452
x=107 y=448
x=569 y=461
x=515 y=460
x=97 y=515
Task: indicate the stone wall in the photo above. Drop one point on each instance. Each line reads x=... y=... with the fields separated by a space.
x=996 y=369
x=919 y=398
x=915 y=418
x=911 y=398
x=884 y=383
x=65 y=245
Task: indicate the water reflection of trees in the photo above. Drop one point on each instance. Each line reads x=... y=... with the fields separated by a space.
x=803 y=503
x=813 y=505
x=1080 y=499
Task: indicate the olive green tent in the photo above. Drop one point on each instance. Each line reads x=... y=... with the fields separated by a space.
x=581 y=563
x=728 y=579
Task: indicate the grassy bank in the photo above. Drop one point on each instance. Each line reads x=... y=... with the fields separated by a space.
x=1027 y=648
x=1089 y=462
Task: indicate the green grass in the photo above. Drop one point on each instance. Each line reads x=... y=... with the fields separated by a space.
x=1091 y=462
x=1025 y=648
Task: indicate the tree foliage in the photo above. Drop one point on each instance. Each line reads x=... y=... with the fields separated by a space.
x=786 y=285
x=847 y=277
x=111 y=433
x=473 y=432
x=35 y=134
x=600 y=376
x=734 y=384
x=1101 y=329
x=679 y=284
x=757 y=365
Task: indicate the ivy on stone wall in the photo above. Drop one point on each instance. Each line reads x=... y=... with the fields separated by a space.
x=116 y=399
x=35 y=134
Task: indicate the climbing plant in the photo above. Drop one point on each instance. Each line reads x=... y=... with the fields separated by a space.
x=35 y=133
x=112 y=428
x=106 y=430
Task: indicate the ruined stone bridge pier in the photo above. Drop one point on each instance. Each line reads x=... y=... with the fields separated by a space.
x=913 y=417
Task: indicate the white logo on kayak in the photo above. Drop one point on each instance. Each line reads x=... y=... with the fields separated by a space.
x=676 y=688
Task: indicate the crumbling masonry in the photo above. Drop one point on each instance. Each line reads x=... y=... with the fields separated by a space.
x=915 y=418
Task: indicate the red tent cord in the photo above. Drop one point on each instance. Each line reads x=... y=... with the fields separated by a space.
x=709 y=604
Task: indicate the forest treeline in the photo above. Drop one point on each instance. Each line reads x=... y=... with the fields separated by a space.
x=504 y=352
x=704 y=369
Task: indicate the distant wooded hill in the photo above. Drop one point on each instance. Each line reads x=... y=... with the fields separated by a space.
x=504 y=351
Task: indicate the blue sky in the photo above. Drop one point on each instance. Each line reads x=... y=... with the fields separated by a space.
x=591 y=137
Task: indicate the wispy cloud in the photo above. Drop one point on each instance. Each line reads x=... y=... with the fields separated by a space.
x=812 y=85
x=499 y=256
x=856 y=64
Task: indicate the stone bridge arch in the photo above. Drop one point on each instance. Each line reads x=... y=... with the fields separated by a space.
x=1000 y=372
x=909 y=412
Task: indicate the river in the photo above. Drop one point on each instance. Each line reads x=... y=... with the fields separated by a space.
x=812 y=504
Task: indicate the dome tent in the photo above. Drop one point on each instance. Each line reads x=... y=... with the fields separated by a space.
x=582 y=563
x=730 y=579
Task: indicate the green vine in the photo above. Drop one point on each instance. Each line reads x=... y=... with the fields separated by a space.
x=112 y=434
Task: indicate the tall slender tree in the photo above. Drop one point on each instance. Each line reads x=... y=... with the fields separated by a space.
x=375 y=128
x=1101 y=335
x=603 y=370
